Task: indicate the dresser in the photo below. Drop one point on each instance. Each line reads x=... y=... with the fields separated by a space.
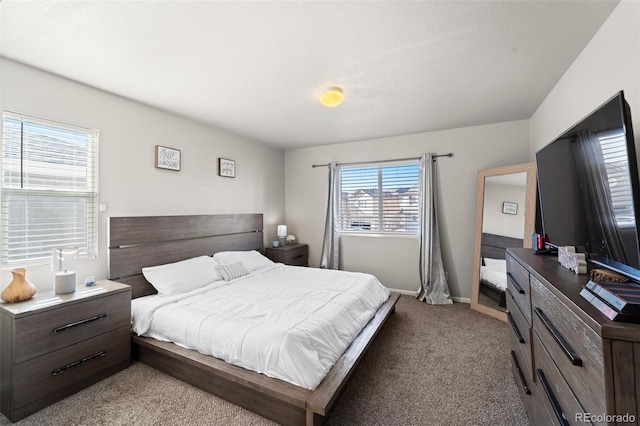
x=53 y=345
x=292 y=254
x=571 y=363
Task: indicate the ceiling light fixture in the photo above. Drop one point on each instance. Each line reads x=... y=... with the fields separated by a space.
x=331 y=97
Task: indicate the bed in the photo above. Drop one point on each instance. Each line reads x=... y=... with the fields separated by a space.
x=493 y=270
x=139 y=242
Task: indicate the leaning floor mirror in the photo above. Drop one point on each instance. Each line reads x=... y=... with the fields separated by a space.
x=505 y=217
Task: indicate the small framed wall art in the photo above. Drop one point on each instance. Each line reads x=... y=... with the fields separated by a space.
x=167 y=158
x=226 y=168
x=509 y=208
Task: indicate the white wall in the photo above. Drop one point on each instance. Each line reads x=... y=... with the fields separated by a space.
x=129 y=183
x=494 y=221
x=395 y=260
x=609 y=63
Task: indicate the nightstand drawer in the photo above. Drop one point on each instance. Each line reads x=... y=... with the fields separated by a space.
x=57 y=328
x=55 y=371
x=297 y=255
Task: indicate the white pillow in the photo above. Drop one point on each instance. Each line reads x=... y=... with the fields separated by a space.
x=183 y=276
x=497 y=278
x=233 y=271
x=251 y=260
x=496 y=264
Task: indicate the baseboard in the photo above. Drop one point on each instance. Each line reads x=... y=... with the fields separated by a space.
x=405 y=292
x=415 y=294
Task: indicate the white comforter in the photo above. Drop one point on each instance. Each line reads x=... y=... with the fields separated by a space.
x=287 y=322
x=497 y=278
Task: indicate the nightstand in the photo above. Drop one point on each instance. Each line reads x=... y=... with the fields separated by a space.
x=294 y=254
x=54 y=345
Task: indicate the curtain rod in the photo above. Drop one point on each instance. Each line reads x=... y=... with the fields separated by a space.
x=450 y=154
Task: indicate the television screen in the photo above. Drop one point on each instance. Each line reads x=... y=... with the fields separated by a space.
x=589 y=189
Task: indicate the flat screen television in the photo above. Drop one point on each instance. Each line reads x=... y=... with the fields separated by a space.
x=589 y=190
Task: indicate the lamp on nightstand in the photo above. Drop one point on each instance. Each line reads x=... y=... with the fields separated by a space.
x=282 y=234
x=64 y=263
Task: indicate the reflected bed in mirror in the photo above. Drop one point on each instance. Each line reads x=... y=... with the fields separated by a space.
x=505 y=217
x=493 y=269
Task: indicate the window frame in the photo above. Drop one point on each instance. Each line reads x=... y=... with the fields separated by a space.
x=381 y=217
x=38 y=192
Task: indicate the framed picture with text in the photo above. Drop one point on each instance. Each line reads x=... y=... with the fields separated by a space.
x=226 y=168
x=509 y=208
x=167 y=158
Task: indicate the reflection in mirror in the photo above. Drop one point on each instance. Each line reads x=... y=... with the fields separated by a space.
x=505 y=217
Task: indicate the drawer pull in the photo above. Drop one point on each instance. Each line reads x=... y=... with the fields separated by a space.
x=79 y=323
x=297 y=257
x=515 y=328
x=77 y=363
x=566 y=348
x=515 y=283
x=552 y=398
x=525 y=387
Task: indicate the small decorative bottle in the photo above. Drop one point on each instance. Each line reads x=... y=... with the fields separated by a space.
x=19 y=289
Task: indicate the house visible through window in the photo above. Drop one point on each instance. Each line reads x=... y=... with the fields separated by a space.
x=49 y=189
x=380 y=198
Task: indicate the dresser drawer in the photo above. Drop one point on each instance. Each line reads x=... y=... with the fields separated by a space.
x=523 y=379
x=554 y=391
x=518 y=284
x=50 y=373
x=53 y=329
x=519 y=334
x=529 y=393
x=574 y=346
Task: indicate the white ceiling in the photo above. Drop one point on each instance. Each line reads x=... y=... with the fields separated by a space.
x=255 y=68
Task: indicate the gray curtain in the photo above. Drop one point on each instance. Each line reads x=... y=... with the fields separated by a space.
x=331 y=244
x=433 y=283
x=598 y=207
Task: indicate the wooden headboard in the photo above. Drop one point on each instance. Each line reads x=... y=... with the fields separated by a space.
x=493 y=246
x=138 y=242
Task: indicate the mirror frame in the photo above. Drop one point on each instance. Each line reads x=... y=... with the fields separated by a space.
x=529 y=226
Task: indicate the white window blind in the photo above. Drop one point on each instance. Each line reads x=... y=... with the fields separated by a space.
x=49 y=189
x=380 y=198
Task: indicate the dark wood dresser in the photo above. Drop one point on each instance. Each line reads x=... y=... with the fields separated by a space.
x=571 y=363
x=53 y=345
x=293 y=254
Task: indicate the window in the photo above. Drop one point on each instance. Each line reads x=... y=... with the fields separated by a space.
x=49 y=189
x=380 y=198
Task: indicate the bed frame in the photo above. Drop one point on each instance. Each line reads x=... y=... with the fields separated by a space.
x=494 y=246
x=137 y=242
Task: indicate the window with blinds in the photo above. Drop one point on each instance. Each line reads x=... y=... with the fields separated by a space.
x=614 y=150
x=49 y=189
x=380 y=198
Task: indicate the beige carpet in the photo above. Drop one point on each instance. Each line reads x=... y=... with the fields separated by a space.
x=431 y=365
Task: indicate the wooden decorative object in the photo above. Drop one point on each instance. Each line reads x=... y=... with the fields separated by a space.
x=606 y=276
x=19 y=289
